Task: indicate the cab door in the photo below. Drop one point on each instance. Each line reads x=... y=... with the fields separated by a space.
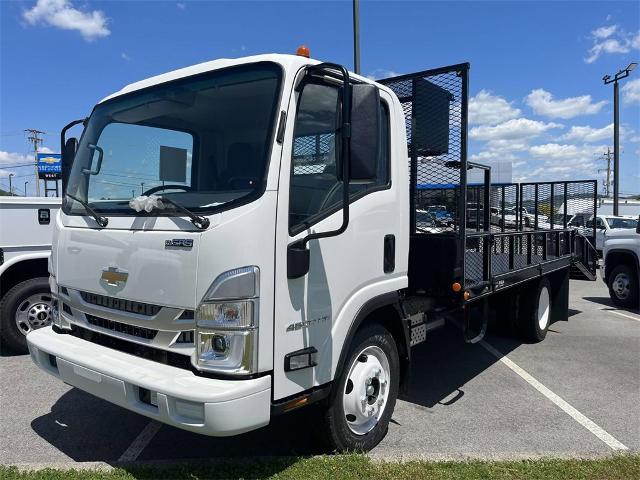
x=313 y=313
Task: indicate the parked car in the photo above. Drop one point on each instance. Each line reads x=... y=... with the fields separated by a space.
x=426 y=222
x=529 y=219
x=604 y=223
x=442 y=215
x=621 y=267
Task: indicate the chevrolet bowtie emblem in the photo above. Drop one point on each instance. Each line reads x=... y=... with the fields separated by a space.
x=113 y=276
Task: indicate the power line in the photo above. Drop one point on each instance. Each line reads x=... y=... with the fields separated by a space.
x=18 y=166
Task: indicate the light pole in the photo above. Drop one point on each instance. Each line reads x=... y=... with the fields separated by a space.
x=141 y=188
x=607 y=79
x=25 y=188
x=10 y=187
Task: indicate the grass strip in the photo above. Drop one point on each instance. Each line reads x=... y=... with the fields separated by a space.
x=354 y=466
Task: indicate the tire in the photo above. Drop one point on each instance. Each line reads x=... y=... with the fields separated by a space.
x=623 y=287
x=24 y=308
x=534 y=316
x=345 y=426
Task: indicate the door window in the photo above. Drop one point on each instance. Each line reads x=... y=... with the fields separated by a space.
x=314 y=188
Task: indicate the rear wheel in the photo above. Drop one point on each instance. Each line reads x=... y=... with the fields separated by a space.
x=623 y=287
x=534 y=316
x=24 y=308
x=364 y=396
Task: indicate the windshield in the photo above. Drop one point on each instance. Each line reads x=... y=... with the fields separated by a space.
x=201 y=141
x=622 y=222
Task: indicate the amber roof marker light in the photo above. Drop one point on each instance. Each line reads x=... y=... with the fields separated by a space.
x=303 y=51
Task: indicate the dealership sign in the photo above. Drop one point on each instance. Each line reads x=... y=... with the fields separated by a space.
x=50 y=165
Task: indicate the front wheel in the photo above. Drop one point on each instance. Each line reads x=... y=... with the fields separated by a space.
x=623 y=287
x=364 y=396
x=24 y=308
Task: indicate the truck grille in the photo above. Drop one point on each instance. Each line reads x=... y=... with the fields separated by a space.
x=142 y=351
x=132 y=330
x=120 y=304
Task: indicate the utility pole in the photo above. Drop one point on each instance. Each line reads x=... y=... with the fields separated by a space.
x=356 y=36
x=10 y=187
x=34 y=137
x=607 y=185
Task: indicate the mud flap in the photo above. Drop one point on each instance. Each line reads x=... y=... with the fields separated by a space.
x=471 y=334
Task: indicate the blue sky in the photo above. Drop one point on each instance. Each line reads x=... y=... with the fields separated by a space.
x=536 y=67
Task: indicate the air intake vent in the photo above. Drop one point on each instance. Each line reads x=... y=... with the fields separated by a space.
x=120 y=304
x=185 y=337
x=140 y=332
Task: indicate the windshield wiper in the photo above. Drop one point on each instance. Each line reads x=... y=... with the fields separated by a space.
x=102 y=221
x=199 y=221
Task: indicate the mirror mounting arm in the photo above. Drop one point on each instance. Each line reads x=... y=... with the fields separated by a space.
x=345 y=131
x=298 y=253
x=63 y=132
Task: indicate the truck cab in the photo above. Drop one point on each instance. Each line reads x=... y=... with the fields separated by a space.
x=194 y=199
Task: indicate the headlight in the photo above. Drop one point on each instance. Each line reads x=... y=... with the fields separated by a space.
x=226 y=324
x=226 y=315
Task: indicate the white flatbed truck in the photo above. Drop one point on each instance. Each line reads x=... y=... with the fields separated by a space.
x=210 y=270
x=26 y=228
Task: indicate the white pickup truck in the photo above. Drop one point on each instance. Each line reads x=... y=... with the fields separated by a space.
x=26 y=225
x=621 y=255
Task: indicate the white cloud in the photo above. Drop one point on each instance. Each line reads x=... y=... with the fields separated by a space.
x=181 y=5
x=631 y=91
x=62 y=14
x=611 y=39
x=12 y=158
x=588 y=134
x=379 y=73
x=515 y=129
x=554 y=161
x=126 y=57
x=566 y=152
x=604 y=32
x=486 y=108
x=543 y=103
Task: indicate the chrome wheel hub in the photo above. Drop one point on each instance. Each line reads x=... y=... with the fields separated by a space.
x=621 y=286
x=33 y=312
x=366 y=390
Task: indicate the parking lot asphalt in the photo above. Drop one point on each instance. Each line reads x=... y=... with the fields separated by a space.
x=576 y=394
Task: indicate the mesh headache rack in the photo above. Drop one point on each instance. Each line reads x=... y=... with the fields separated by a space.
x=464 y=229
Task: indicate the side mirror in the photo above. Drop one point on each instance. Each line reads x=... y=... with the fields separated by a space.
x=365 y=132
x=68 y=154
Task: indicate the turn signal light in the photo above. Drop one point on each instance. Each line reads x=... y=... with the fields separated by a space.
x=303 y=51
x=466 y=295
x=456 y=287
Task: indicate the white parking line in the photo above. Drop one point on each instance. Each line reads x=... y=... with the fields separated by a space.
x=568 y=409
x=637 y=319
x=141 y=441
